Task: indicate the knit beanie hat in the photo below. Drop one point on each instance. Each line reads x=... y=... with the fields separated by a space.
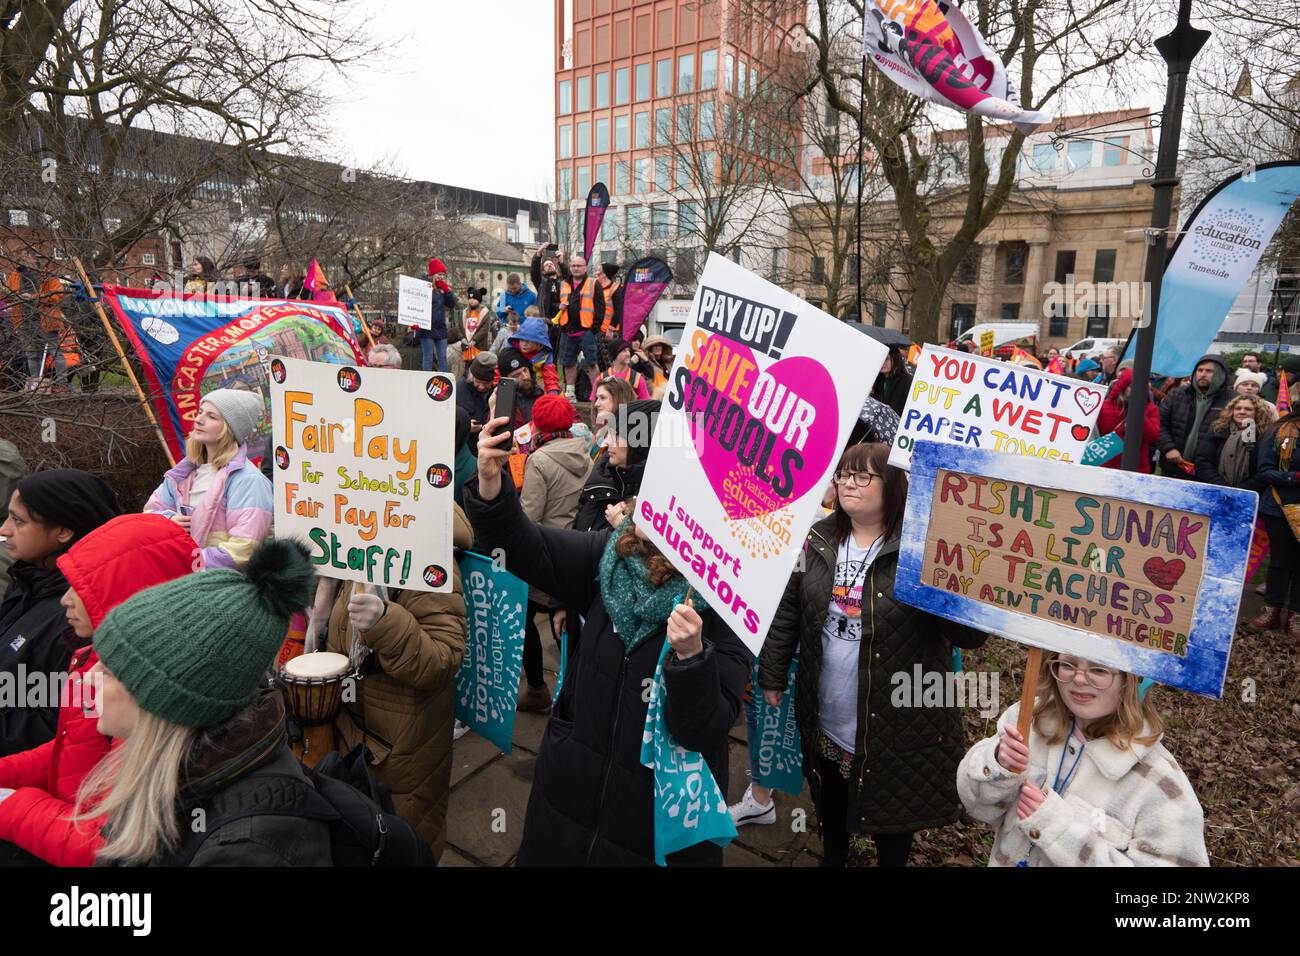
x=511 y=360
x=1246 y=375
x=634 y=422
x=241 y=410
x=193 y=650
x=69 y=498
x=484 y=366
x=436 y=267
x=552 y=413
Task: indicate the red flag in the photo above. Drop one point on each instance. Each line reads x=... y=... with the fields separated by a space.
x=1283 y=394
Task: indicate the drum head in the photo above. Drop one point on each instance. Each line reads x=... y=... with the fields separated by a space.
x=320 y=665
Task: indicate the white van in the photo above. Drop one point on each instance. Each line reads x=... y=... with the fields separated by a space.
x=1091 y=348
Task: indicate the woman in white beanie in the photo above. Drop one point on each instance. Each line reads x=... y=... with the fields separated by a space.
x=1249 y=383
x=215 y=492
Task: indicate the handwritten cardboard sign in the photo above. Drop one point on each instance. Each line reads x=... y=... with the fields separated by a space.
x=759 y=405
x=978 y=402
x=363 y=470
x=1137 y=572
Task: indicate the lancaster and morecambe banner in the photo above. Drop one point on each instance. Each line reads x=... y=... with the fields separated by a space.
x=191 y=345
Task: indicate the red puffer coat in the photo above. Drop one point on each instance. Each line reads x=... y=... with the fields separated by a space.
x=1112 y=417
x=109 y=565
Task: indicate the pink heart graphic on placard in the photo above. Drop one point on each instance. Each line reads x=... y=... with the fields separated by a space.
x=1087 y=400
x=787 y=385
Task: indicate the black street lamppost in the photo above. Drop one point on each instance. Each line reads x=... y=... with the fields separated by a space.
x=1178 y=48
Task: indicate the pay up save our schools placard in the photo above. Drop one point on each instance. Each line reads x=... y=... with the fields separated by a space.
x=363 y=470
x=760 y=402
x=979 y=402
x=1137 y=572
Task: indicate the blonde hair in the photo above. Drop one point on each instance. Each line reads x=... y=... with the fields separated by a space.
x=1263 y=414
x=1122 y=728
x=135 y=787
x=227 y=448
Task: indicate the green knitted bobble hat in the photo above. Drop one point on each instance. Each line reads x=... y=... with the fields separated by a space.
x=193 y=650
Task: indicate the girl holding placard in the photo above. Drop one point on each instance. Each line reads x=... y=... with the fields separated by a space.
x=1093 y=785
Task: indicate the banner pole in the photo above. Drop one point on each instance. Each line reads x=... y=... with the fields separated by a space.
x=126 y=364
x=347 y=290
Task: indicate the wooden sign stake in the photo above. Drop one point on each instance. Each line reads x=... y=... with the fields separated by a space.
x=1029 y=691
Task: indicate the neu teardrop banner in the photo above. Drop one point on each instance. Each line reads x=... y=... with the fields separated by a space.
x=597 y=203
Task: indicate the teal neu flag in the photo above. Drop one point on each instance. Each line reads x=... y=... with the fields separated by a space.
x=487 y=685
x=776 y=753
x=689 y=807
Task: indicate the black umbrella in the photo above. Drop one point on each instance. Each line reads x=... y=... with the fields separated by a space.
x=886 y=337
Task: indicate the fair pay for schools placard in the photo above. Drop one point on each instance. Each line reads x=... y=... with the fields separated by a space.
x=364 y=470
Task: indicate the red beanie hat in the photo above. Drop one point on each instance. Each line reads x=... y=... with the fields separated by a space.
x=436 y=267
x=552 y=413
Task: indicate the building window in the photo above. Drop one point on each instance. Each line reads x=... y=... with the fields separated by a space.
x=602 y=135
x=622 y=137
x=663 y=126
x=147 y=259
x=602 y=173
x=584 y=138
x=566 y=97
x=622 y=78
x=686 y=73
x=685 y=122
x=709 y=70
x=707 y=171
x=659 y=221
x=620 y=177
x=1058 y=319
x=683 y=180
x=562 y=228
x=728 y=72
x=641 y=176
x=1079 y=154
x=742 y=78
x=635 y=223
x=1015 y=273
x=818 y=270
x=664 y=77
x=707 y=131
x=663 y=167
x=583 y=181
x=602 y=90
x=688 y=219
x=1044 y=158
x=642 y=82
x=584 y=94
x=685 y=271
x=1112 y=153
x=566 y=141
x=565 y=188
x=1103 y=267
x=1064 y=265
x=1098 y=322
x=643 y=130
x=1010 y=311
x=963 y=317
x=879 y=310
x=609 y=226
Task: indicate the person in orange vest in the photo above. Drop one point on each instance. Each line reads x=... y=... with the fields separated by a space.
x=582 y=313
x=33 y=306
x=612 y=331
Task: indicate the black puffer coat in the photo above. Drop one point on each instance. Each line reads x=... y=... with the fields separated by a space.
x=592 y=800
x=908 y=780
x=607 y=484
x=1178 y=411
x=36 y=638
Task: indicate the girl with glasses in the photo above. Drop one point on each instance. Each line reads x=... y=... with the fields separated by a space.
x=1093 y=785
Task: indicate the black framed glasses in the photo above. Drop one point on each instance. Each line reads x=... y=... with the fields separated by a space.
x=855 y=479
x=1097 y=677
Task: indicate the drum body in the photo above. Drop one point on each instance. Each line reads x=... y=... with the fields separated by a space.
x=313 y=685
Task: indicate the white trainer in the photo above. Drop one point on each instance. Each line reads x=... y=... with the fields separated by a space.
x=749 y=810
x=460 y=730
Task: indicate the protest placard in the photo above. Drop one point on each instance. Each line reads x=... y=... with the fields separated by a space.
x=976 y=402
x=760 y=403
x=414 y=302
x=363 y=470
x=487 y=684
x=1137 y=572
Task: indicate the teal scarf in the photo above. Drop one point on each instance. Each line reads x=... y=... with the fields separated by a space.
x=637 y=608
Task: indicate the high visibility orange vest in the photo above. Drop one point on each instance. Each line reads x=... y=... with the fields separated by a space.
x=587 y=303
x=611 y=289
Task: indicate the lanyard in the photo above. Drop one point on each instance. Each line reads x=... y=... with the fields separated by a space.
x=1058 y=784
x=867 y=560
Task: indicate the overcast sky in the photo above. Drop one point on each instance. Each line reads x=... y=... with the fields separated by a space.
x=461 y=95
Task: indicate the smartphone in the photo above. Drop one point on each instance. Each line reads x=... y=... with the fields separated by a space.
x=552 y=247
x=186 y=510
x=505 y=406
